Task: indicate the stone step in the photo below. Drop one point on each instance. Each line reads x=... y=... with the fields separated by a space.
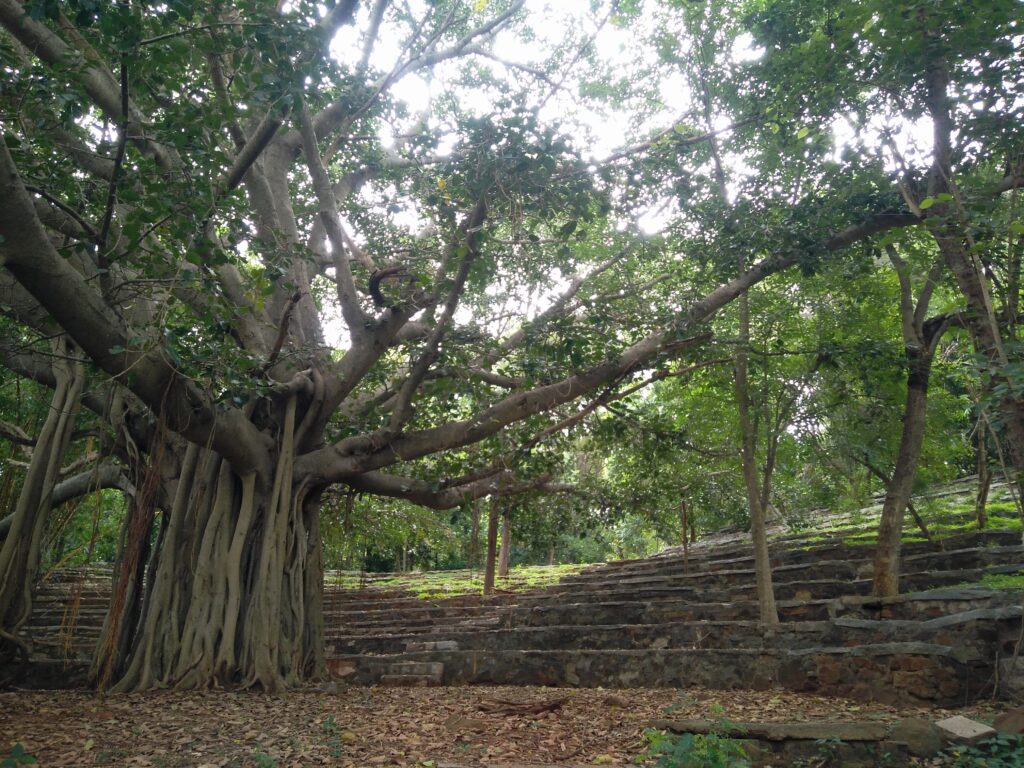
x=432 y=645
x=825 y=569
x=955 y=630
x=408 y=681
x=414 y=609
x=799 y=590
x=418 y=668
x=382 y=620
x=784 y=552
x=53 y=630
x=901 y=672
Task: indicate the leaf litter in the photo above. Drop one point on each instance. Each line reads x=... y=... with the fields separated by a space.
x=357 y=727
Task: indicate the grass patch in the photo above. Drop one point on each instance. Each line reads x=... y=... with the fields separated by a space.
x=438 y=585
x=1010 y=582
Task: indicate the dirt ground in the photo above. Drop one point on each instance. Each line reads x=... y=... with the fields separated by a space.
x=357 y=727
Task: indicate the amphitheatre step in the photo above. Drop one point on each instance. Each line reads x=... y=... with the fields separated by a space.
x=413 y=674
x=740 y=557
x=415 y=608
x=466 y=602
x=800 y=589
x=954 y=630
x=911 y=607
x=409 y=681
x=382 y=621
x=899 y=672
x=846 y=568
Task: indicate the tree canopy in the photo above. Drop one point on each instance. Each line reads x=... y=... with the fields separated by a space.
x=262 y=252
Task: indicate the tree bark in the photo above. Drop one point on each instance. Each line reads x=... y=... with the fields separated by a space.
x=955 y=244
x=492 y=545
x=984 y=476
x=20 y=551
x=769 y=614
x=685 y=525
x=474 y=536
x=886 y=578
x=506 y=546
x=233 y=594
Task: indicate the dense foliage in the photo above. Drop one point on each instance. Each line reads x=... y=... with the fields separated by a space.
x=288 y=286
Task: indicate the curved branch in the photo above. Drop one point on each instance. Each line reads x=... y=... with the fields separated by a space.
x=426 y=495
x=357 y=455
x=72 y=302
x=99 y=83
x=104 y=476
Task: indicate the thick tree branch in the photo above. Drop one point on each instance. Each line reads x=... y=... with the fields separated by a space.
x=104 y=476
x=354 y=316
x=426 y=495
x=557 y=308
x=99 y=83
x=376 y=17
x=73 y=303
x=403 y=406
x=365 y=453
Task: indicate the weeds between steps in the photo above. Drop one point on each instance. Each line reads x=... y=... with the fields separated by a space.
x=715 y=749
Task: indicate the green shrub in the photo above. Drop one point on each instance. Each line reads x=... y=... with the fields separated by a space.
x=715 y=749
x=998 y=752
x=262 y=760
x=17 y=756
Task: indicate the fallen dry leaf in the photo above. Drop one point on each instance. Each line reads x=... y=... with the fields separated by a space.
x=380 y=726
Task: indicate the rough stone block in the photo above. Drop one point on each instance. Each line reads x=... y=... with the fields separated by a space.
x=963 y=730
x=1011 y=721
x=922 y=738
x=409 y=681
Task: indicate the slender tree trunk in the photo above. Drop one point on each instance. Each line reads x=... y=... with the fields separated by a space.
x=21 y=548
x=506 y=547
x=886 y=580
x=474 y=537
x=685 y=524
x=984 y=476
x=921 y=526
x=492 y=545
x=551 y=553
x=748 y=442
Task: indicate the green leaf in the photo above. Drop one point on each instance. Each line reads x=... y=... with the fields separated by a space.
x=927 y=203
x=802 y=133
x=568 y=228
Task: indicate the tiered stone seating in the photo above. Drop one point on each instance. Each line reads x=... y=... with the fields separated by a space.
x=68 y=611
x=677 y=620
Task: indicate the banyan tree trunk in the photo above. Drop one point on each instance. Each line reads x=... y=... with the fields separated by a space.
x=20 y=551
x=234 y=592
